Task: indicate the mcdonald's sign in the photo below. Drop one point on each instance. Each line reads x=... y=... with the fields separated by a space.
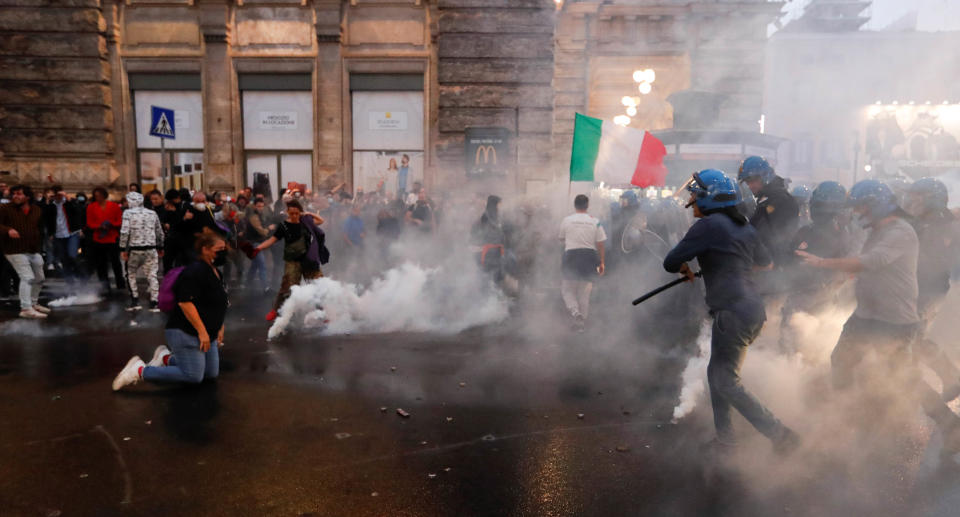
x=483 y=156
x=487 y=150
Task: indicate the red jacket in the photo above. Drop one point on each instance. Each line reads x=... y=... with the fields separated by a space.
x=96 y=216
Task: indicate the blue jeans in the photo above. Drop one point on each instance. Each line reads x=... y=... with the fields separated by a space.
x=65 y=252
x=732 y=334
x=186 y=363
x=258 y=266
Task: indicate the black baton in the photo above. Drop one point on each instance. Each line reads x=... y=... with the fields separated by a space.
x=662 y=288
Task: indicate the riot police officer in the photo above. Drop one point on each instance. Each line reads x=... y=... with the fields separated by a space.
x=939 y=234
x=777 y=216
x=728 y=249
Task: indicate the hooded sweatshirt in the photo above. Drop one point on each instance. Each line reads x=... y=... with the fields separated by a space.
x=141 y=228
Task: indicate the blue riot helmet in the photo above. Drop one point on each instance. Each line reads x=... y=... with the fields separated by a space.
x=755 y=167
x=630 y=196
x=827 y=201
x=900 y=187
x=876 y=196
x=932 y=194
x=712 y=190
x=801 y=193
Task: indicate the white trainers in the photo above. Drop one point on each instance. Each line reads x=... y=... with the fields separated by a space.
x=41 y=309
x=158 y=355
x=32 y=314
x=130 y=374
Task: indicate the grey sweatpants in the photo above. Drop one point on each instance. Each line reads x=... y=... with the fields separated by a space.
x=144 y=263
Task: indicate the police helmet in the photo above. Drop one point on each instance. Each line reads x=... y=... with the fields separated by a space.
x=878 y=197
x=827 y=200
x=712 y=189
x=801 y=193
x=630 y=196
x=755 y=167
x=934 y=193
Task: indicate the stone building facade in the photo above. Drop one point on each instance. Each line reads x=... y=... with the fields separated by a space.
x=329 y=92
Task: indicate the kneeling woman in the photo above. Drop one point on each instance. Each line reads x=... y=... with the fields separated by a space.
x=194 y=331
x=728 y=249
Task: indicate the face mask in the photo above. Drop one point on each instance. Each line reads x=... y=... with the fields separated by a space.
x=82 y=199
x=221 y=258
x=200 y=205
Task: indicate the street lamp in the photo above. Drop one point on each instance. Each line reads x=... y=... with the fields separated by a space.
x=632 y=111
x=645 y=88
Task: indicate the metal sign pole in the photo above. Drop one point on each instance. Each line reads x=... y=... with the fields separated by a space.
x=163 y=165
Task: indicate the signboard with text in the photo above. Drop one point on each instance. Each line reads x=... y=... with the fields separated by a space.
x=487 y=151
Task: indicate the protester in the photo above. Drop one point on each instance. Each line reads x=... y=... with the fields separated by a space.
x=420 y=214
x=302 y=243
x=583 y=259
x=170 y=217
x=64 y=222
x=256 y=232
x=21 y=242
x=194 y=330
x=728 y=249
x=156 y=201
x=490 y=239
x=103 y=222
x=196 y=217
x=141 y=245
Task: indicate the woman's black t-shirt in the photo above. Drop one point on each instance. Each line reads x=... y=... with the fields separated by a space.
x=199 y=284
x=288 y=232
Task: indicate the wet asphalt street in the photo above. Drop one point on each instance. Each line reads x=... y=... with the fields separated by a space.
x=308 y=425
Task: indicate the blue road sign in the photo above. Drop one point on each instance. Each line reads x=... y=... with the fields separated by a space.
x=162 y=123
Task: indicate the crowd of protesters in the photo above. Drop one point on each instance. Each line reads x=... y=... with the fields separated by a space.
x=108 y=241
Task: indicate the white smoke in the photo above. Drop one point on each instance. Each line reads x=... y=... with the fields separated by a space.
x=694 y=373
x=75 y=299
x=406 y=298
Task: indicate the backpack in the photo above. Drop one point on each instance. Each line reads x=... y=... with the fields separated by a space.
x=167 y=299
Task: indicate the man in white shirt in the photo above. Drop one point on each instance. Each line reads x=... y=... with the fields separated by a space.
x=583 y=259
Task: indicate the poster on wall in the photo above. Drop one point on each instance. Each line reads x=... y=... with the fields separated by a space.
x=386 y=172
x=919 y=140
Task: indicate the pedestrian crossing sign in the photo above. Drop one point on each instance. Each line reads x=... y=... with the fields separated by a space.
x=162 y=123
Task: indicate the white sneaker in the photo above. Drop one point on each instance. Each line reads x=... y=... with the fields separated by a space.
x=41 y=309
x=32 y=314
x=158 y=355
x=130 y=374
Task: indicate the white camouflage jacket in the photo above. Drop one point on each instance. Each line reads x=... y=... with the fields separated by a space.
x=141 y=228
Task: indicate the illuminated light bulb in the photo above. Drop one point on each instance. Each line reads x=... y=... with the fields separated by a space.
x=896 y=102
x=867 y=168
x=645 y=88
x=632 y=111
x=912 y=103
x=627 y=101
x=946 y=102
x=621 y=120
x=928 y=103
x=649 y=76
x=878 y=103
x=638 y=76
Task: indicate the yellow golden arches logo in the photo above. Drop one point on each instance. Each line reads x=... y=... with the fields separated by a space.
x=486 y=150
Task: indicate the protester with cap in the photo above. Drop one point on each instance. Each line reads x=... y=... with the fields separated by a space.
x=886 y=321
x=728 y=249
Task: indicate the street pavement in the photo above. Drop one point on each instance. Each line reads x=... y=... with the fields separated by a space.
x=501 y=421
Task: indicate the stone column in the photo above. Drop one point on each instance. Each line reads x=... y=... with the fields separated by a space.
x=328 y=94
x=220 y=170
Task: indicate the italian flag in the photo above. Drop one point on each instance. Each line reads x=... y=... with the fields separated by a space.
x=616 y=155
